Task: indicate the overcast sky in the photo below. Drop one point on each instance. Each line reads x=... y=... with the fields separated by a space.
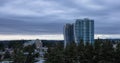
x=47 y=17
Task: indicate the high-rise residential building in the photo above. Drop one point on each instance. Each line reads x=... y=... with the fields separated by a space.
x=68 y=34
x=84 y=30
x=81 y=30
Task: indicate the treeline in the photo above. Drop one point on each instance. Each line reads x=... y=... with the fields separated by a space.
x=97 y=52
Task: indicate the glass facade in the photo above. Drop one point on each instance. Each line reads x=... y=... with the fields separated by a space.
x=84 y=30
x=81 y=30
x=68 y=34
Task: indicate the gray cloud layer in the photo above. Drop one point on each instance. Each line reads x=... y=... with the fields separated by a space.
x=49 y=16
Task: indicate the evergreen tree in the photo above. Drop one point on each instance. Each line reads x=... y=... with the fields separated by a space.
x=19 y=56
x=71 y=53
x=2 y=47
x=107 y=52
x=117 y=54
x=30 y=57
x=55 y=55
x=7 y=55
x=88 y=53
x=80 y=52
x=97 y=50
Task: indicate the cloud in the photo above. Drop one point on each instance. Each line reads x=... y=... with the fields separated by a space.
x=31 y=37
x=30 y=28
x=49 y=16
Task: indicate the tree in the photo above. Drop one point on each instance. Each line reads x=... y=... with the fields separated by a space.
x=81 y=50
x=19 y=56
x=71 y=53
x=107 y=52
x=97 y=50
x=7 y=55
x=55 y=55
x=2 y=46
x=117 y=53
x=88 y=53
x=30 y=57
